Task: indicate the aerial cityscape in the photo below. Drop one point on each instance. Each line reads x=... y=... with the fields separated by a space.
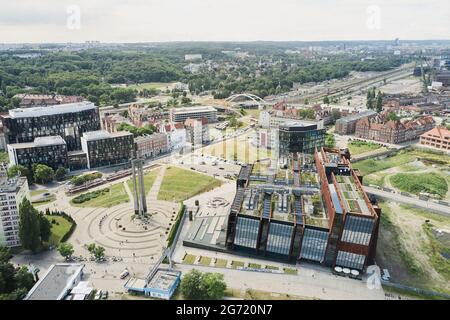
x=179 y=166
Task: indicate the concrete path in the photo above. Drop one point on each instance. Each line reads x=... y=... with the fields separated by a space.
x=153 y=193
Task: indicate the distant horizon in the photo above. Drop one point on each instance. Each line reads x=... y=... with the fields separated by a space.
x=161 y=21
x=231 y=41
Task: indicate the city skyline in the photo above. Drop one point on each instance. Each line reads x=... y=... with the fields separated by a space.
x=161 y=21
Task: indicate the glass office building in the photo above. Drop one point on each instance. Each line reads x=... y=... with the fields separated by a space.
x=280 y=238
x=69 y=121
x=300 y=137
x=246 y=232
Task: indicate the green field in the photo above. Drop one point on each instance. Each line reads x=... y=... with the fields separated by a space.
x=357 y=147
x=179 y=184
x=401 y=158
x=189 y=259
x=150 y=85
x=58 y=230
x=205 y=261
x=149 y=179
x=237 y=264
x=254 y=266
x=290 y=271
x=115 y=196
x=416 y=183
x=221 y=263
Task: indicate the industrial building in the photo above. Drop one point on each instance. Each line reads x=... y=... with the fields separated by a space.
x=319 y=214
x=196 y=112
x=69 y=121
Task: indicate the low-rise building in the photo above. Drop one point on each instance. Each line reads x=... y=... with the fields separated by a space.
x=12 y=192
x=36 y=100
x=196 y=112
x=161 y=285
x=51 y=151
x=393 y=131
x=107 y=149
x=176 y=134
x=57 y=282
x=438 y=137
x=347 y=125
x=152 y=145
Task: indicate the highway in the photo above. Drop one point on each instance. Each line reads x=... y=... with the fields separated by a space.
x=397 y=197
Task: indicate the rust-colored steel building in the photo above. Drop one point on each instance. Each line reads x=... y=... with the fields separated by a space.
x=319 y=212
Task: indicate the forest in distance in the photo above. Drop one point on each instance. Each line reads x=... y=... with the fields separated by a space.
x=91 y=72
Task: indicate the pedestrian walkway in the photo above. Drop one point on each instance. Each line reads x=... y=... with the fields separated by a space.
x=153 y=194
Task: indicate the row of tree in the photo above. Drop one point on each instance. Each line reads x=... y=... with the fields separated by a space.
x=39 y=173
x=374 y=100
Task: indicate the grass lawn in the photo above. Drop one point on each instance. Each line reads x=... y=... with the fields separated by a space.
x=237 y=264
x=401 y=158
x=358 y=147
x=149 y=179
x=179 y=184
x=254 y=266
x=221 y=263
x=189 y=259
x=150 y=85
x=37 y=192
x=58 y=230
x=272 y=268
x=416 y=183
x=290 y=271
x=115 y=196
x=205 y=261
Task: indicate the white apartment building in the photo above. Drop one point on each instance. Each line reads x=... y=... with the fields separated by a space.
x=176 y=134
x=12 y=192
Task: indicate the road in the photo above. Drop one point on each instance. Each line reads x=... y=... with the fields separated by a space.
x=309 y=283
x=429 y=205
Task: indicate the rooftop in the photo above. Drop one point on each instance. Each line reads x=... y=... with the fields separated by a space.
x=51 y=110
x=40 y=142
x=194 y=109
x=102 y=134
x=56 y=281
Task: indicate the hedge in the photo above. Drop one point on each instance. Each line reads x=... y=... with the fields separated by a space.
x=176 y=225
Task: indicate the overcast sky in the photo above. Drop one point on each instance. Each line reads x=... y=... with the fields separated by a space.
x=221 y=20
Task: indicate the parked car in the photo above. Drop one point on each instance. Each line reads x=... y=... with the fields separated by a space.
x=98 y=295
x=105 y=295
x=124 y=274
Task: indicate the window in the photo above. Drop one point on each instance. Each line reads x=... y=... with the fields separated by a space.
x=350 y=260
x=279 y=240
x=357 y=230
x=246 y=232
x=314 y=245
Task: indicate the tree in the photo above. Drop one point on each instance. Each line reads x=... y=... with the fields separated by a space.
x=196 y=285
x=99 y=252
x=19 y=170
x=42 y=173
x=326 y=100
x=29 y=226
x=60 y=174
x=45 y=227
x=329 y=141
x=24 y=279
x=5 y=254
x=379 y=103
x=392 y=117
x=214 y=285
x=191 y=285
x=336 y=114
x=66 y=250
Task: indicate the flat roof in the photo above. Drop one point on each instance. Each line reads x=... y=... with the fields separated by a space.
x=194 y=109
x=102 y=134
x=164 y=280
x=40 y=142
x=51 y=110
x=357 y=116
x=56 y=281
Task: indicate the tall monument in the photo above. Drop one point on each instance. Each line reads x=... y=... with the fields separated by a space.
x=137 y=175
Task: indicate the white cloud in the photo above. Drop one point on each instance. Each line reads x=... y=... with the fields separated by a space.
x=167 y=20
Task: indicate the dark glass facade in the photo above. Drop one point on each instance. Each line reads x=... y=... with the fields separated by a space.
x=110 y=151
x=300 y=138
x=314 y=244
x=280 y=238
x=70 y=126
x=54 y=156
x=246 y=232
